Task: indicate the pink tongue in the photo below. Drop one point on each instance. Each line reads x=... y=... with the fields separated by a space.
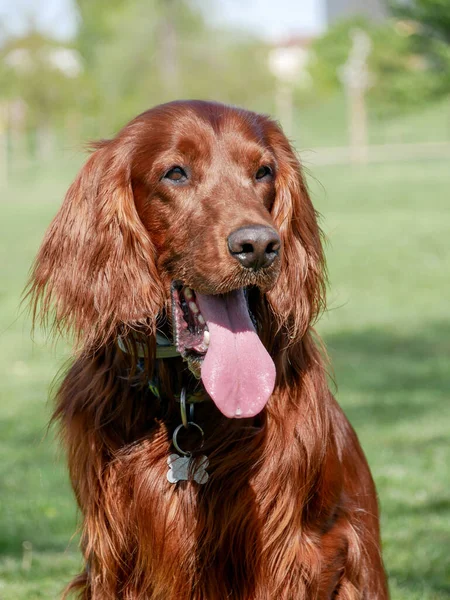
x=237 y=372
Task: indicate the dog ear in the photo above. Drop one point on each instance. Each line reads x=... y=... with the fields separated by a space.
x=95 y=272
x=299 y=295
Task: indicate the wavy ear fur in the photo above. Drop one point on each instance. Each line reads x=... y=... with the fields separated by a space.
x=95 y=272
x=299 y=294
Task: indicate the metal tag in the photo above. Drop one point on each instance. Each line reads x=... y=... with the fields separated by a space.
x=187 y=468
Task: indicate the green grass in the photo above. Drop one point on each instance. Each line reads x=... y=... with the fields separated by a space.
x=325 y=124
x=36 y=503
x=388 y=333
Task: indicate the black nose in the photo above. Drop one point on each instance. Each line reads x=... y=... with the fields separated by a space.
x=255 y=246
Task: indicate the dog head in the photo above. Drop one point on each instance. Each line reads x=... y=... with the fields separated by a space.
x=192 y=210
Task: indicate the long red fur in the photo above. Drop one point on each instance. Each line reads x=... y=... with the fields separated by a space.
x=290 y=509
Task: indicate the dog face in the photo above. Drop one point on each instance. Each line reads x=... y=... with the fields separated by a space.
x=205 y=196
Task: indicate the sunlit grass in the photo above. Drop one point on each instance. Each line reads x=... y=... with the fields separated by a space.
x=387 y=330
x=326 y=124
x=388 y=334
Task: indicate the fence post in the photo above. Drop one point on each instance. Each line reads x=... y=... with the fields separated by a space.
x=286 y=63
x=357 y=79
x=4 y=145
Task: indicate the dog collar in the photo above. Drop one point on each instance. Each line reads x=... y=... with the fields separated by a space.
x=164 y=349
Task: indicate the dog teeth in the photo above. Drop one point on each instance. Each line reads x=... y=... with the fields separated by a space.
x=201 y=320
x=238 y=412
x=194 y=308
x=188 y=294
x=206 y=337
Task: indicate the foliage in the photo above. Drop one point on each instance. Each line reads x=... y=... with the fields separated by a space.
x=407 y=76
x=330 y=52
x=405 y=73
x=433 y=15
x=93 y=25
x=33 y=69
x=152 y=51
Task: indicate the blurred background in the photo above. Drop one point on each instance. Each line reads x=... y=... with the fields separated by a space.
x=363 y=91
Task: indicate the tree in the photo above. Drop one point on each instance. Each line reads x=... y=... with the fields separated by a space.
x=408 y=70
x=94 y=25
x=429 y=21
x=39 y=77
x=153 y=51
x=433 y=16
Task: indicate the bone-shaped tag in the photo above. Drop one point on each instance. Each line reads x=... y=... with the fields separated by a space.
x=186 y=468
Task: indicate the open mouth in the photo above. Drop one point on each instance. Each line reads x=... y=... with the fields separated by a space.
x=216 y=335
x=191 y=333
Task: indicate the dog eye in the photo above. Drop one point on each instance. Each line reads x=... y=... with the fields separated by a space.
x=263 y=172
x=177 y=174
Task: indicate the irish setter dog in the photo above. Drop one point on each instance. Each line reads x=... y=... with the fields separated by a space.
x=208 y=457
